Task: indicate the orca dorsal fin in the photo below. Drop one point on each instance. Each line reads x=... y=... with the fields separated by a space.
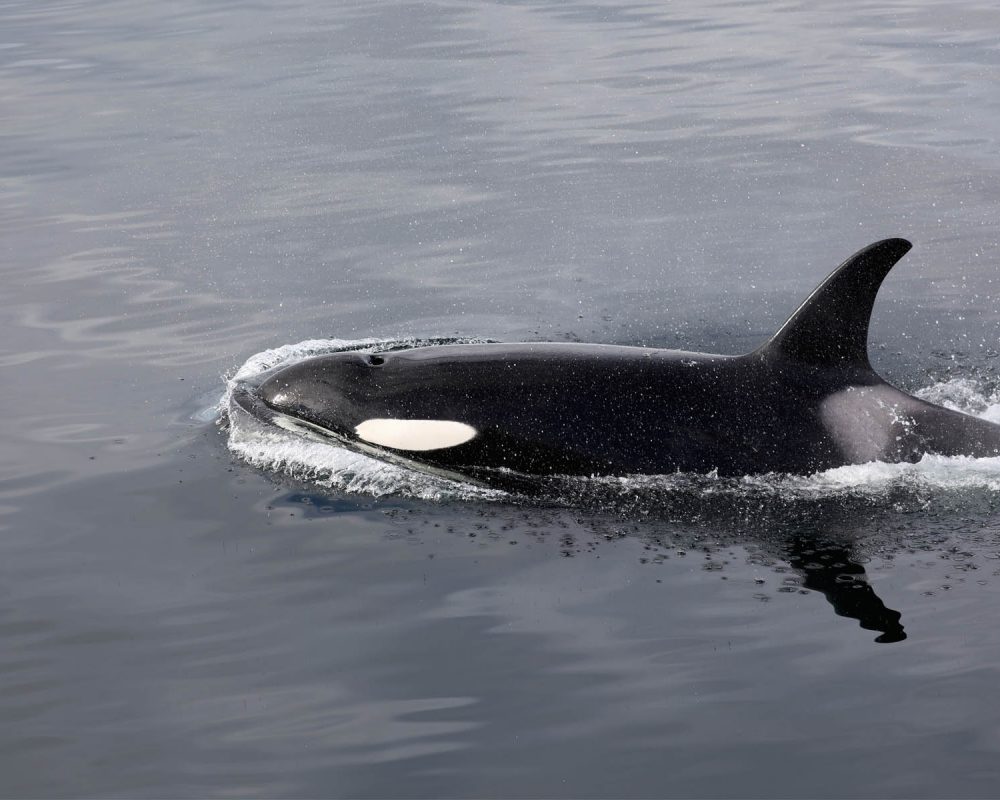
x=830 y=329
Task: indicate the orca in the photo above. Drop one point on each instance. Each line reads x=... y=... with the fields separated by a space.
x=807 y=400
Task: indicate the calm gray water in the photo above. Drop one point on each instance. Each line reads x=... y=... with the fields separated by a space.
x=186 y=184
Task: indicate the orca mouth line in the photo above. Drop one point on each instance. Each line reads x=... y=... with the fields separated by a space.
x=256 y=406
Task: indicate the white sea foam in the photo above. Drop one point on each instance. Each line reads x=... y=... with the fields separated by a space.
x=295 y=454
x=966 y=395
x=877 y=477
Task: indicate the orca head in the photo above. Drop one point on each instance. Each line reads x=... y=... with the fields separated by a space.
x=369 y=398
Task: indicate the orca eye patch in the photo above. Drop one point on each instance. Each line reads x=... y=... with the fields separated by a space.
x=415 y=434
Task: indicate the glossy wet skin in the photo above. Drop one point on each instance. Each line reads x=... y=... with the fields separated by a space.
x=592 y=409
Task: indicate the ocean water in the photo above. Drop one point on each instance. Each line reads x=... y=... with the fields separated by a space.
x=192 y=606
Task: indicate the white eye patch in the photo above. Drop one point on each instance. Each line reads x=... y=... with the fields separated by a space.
x=415 y=434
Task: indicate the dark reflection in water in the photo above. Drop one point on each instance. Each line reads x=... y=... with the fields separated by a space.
x=828 y=569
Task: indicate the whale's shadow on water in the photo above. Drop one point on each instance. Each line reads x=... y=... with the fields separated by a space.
x=828 y=568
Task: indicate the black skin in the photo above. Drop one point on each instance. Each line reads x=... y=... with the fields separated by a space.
x=585 y=409
x=569 y=408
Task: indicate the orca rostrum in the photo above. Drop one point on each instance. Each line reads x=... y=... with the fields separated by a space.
x=805 y=401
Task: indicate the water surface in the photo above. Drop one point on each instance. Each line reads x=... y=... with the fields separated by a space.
x=185 y=185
